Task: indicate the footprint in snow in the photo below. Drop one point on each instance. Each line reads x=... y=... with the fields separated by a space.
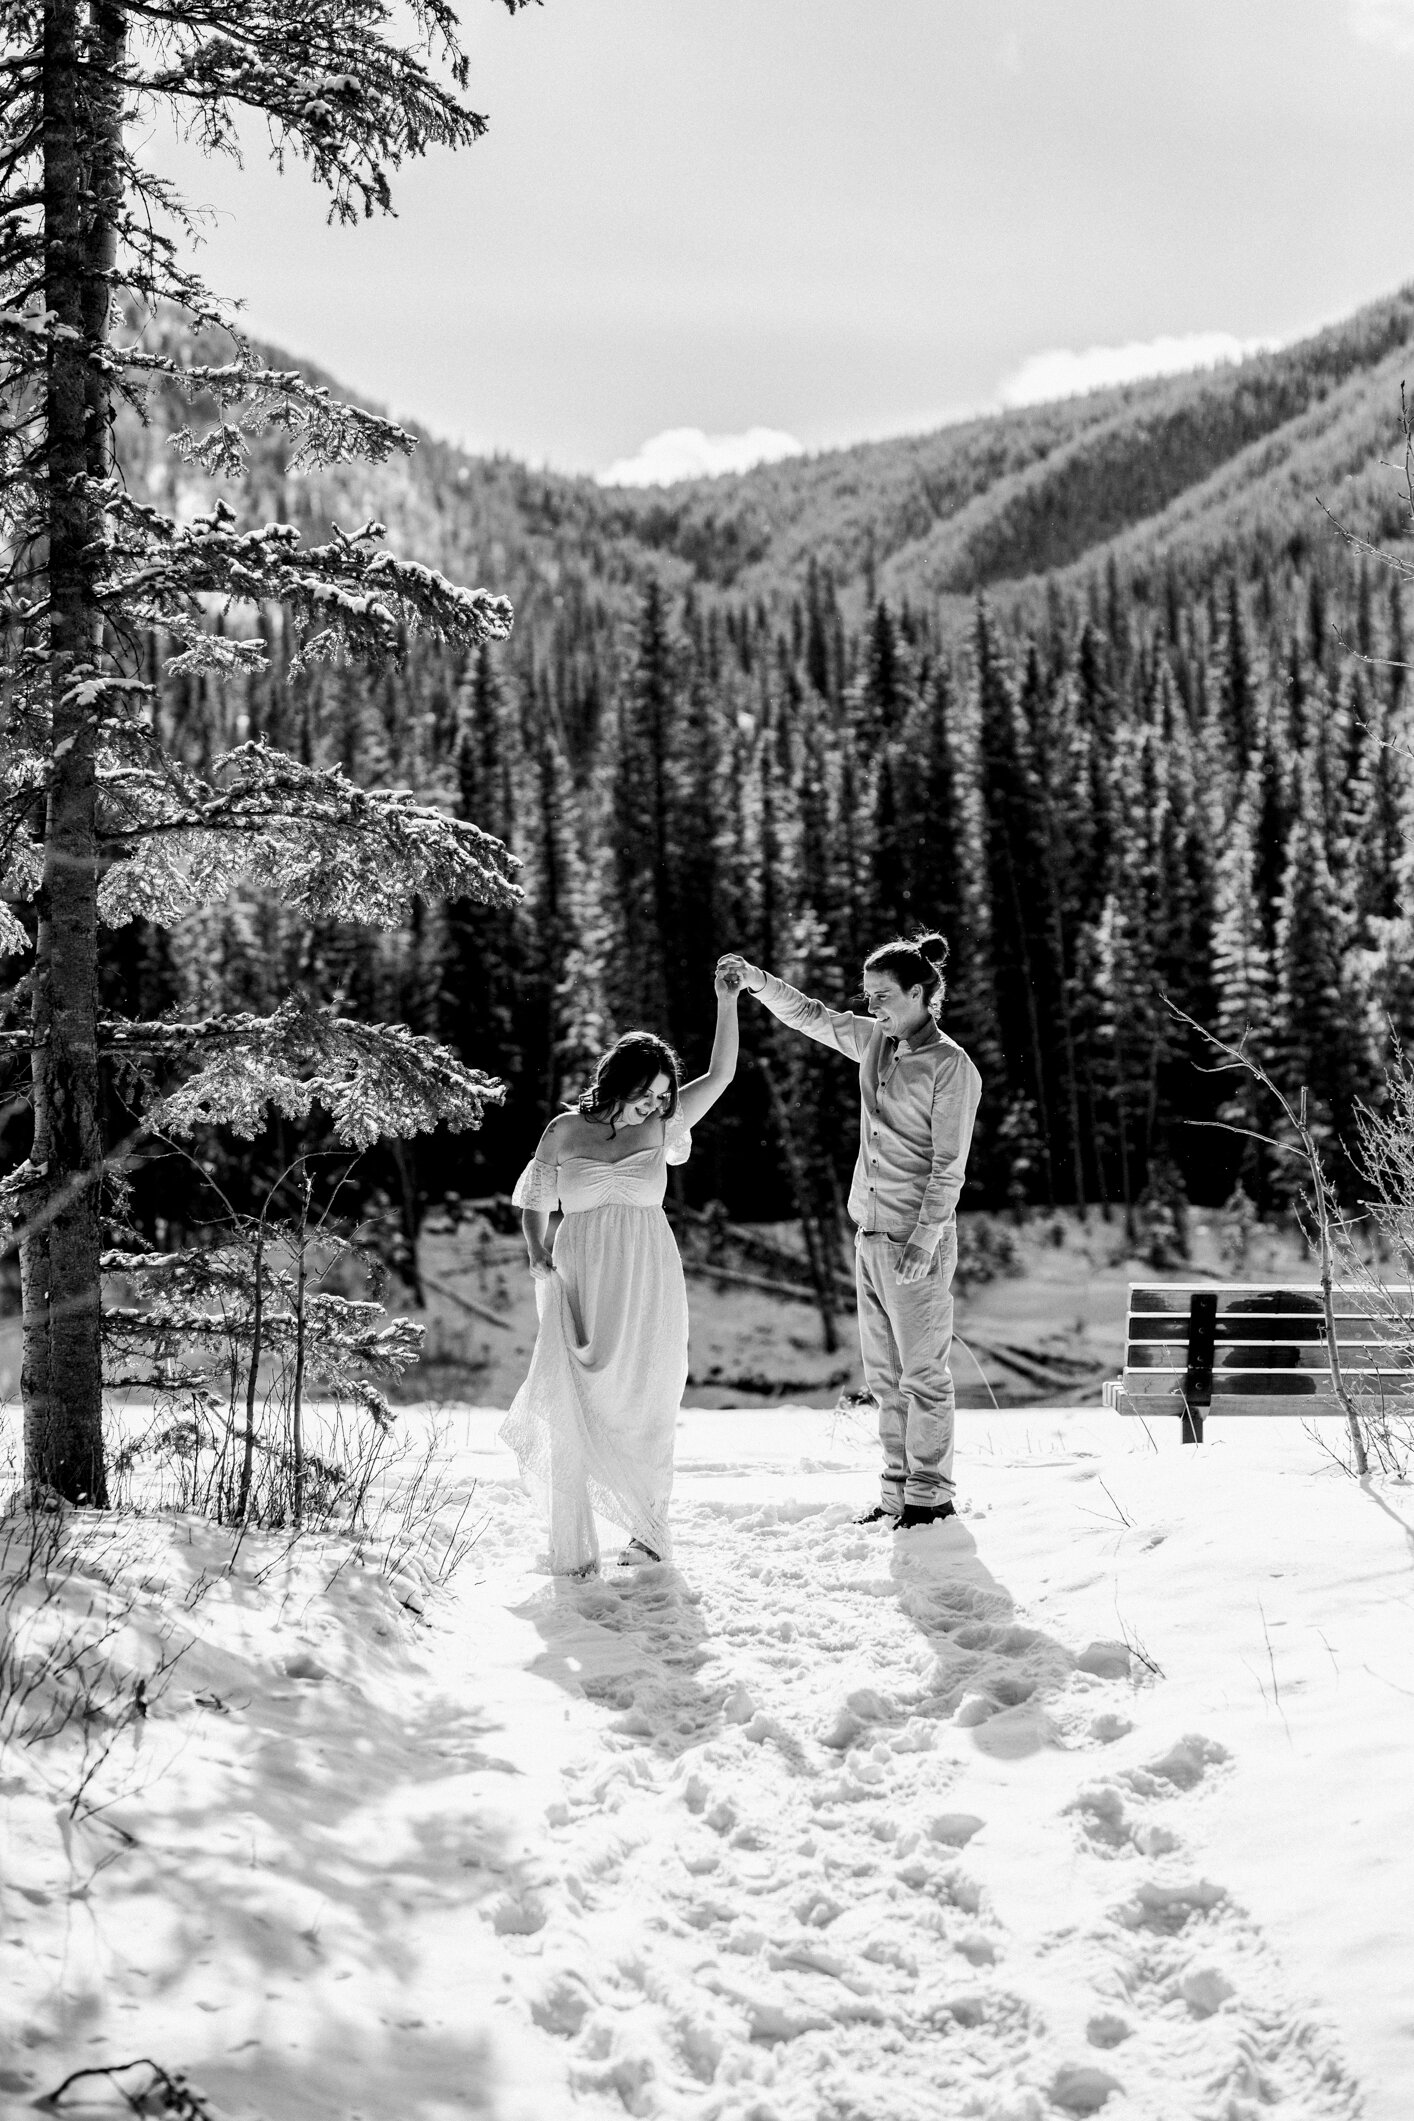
x=819 y=1945
x=1080 y=2088
x=1187 y=1762
x=303 y=1664
x=1202 y=2004
x=1108 y=1827
x=1114 y=1815
x=1106 y=1660
x=1205 y=1990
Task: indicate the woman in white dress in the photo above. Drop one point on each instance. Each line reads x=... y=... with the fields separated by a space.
x=593 y=1424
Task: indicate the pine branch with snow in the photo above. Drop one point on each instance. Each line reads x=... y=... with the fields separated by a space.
x=98 y=821
x=371 y=1079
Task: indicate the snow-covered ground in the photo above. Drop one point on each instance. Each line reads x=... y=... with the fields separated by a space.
x=1099 y=1799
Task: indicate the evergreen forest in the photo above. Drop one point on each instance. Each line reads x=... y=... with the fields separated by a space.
x=1103 y=690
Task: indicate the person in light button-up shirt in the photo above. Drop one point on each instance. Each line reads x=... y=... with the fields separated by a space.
x=918 y=1100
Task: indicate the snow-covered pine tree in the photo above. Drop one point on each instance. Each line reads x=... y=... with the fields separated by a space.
x=879 y=699
x=824 y=635
x=639 y=818
x=1242 y=971
x=1237 y=682
x=1183 y=867
x=1317 y=1018
x=97 y=823
x=557 y=960
x=1058 y=759
x=694 y=815
x=1013 y=858
x=770 y=820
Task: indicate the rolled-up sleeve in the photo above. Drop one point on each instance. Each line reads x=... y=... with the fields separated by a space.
x=957 y=1090
x=848 y=1034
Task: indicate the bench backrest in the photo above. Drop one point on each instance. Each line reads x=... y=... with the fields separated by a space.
x=1251 y=1348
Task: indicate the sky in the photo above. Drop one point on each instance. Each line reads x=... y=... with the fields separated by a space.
x=704 y=232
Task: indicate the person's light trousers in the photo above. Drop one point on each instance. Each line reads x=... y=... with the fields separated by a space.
x=905 y=1338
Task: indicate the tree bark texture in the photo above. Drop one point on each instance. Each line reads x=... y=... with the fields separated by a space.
x=63 y=1376
x=816 y=1247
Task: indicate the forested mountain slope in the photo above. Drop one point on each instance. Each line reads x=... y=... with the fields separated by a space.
x=1070 y=684
x=1198 y=467
x=1197 y=472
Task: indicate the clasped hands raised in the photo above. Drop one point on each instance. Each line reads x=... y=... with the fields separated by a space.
x=734 y=972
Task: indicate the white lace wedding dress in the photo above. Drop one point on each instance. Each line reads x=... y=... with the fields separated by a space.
x=593 y=1424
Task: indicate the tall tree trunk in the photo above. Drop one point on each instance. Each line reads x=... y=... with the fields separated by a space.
x=297 y=1395
x=817 y=1252
x=1033 y=1017
x=1067 y=1028
x=63 y=1378
x=1131 y=1228
x=550 y=913
x=1092 y=1108
x=408 y=1204
x=257 y=1320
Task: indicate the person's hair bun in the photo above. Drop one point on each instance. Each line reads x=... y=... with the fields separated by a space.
x=914 y=961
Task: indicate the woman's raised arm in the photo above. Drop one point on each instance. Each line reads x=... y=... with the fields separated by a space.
x=848 y=1034
x=700 y=1095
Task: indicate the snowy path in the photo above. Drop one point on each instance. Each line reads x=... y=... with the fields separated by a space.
x=790 y=1879
x=817 y=1825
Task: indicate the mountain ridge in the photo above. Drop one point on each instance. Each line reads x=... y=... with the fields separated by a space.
x=1202 y=473
x=1097 y=470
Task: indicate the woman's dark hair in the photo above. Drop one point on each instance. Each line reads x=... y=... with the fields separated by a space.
x=914 y=961
x=625 y=1072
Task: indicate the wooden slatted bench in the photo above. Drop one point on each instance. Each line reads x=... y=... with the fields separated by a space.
x=1194 y=1349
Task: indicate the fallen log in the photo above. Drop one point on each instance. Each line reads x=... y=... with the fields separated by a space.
x=1034 y=1370
x=1023 y=1365
x=1049 y=1359
x=467 y=1303
x=797 y=1292
x=756 y=1247
x=764 y=1387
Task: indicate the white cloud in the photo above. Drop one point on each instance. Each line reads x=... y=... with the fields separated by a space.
x=1386 y=22
x=688 y=453
x=1061 y=372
